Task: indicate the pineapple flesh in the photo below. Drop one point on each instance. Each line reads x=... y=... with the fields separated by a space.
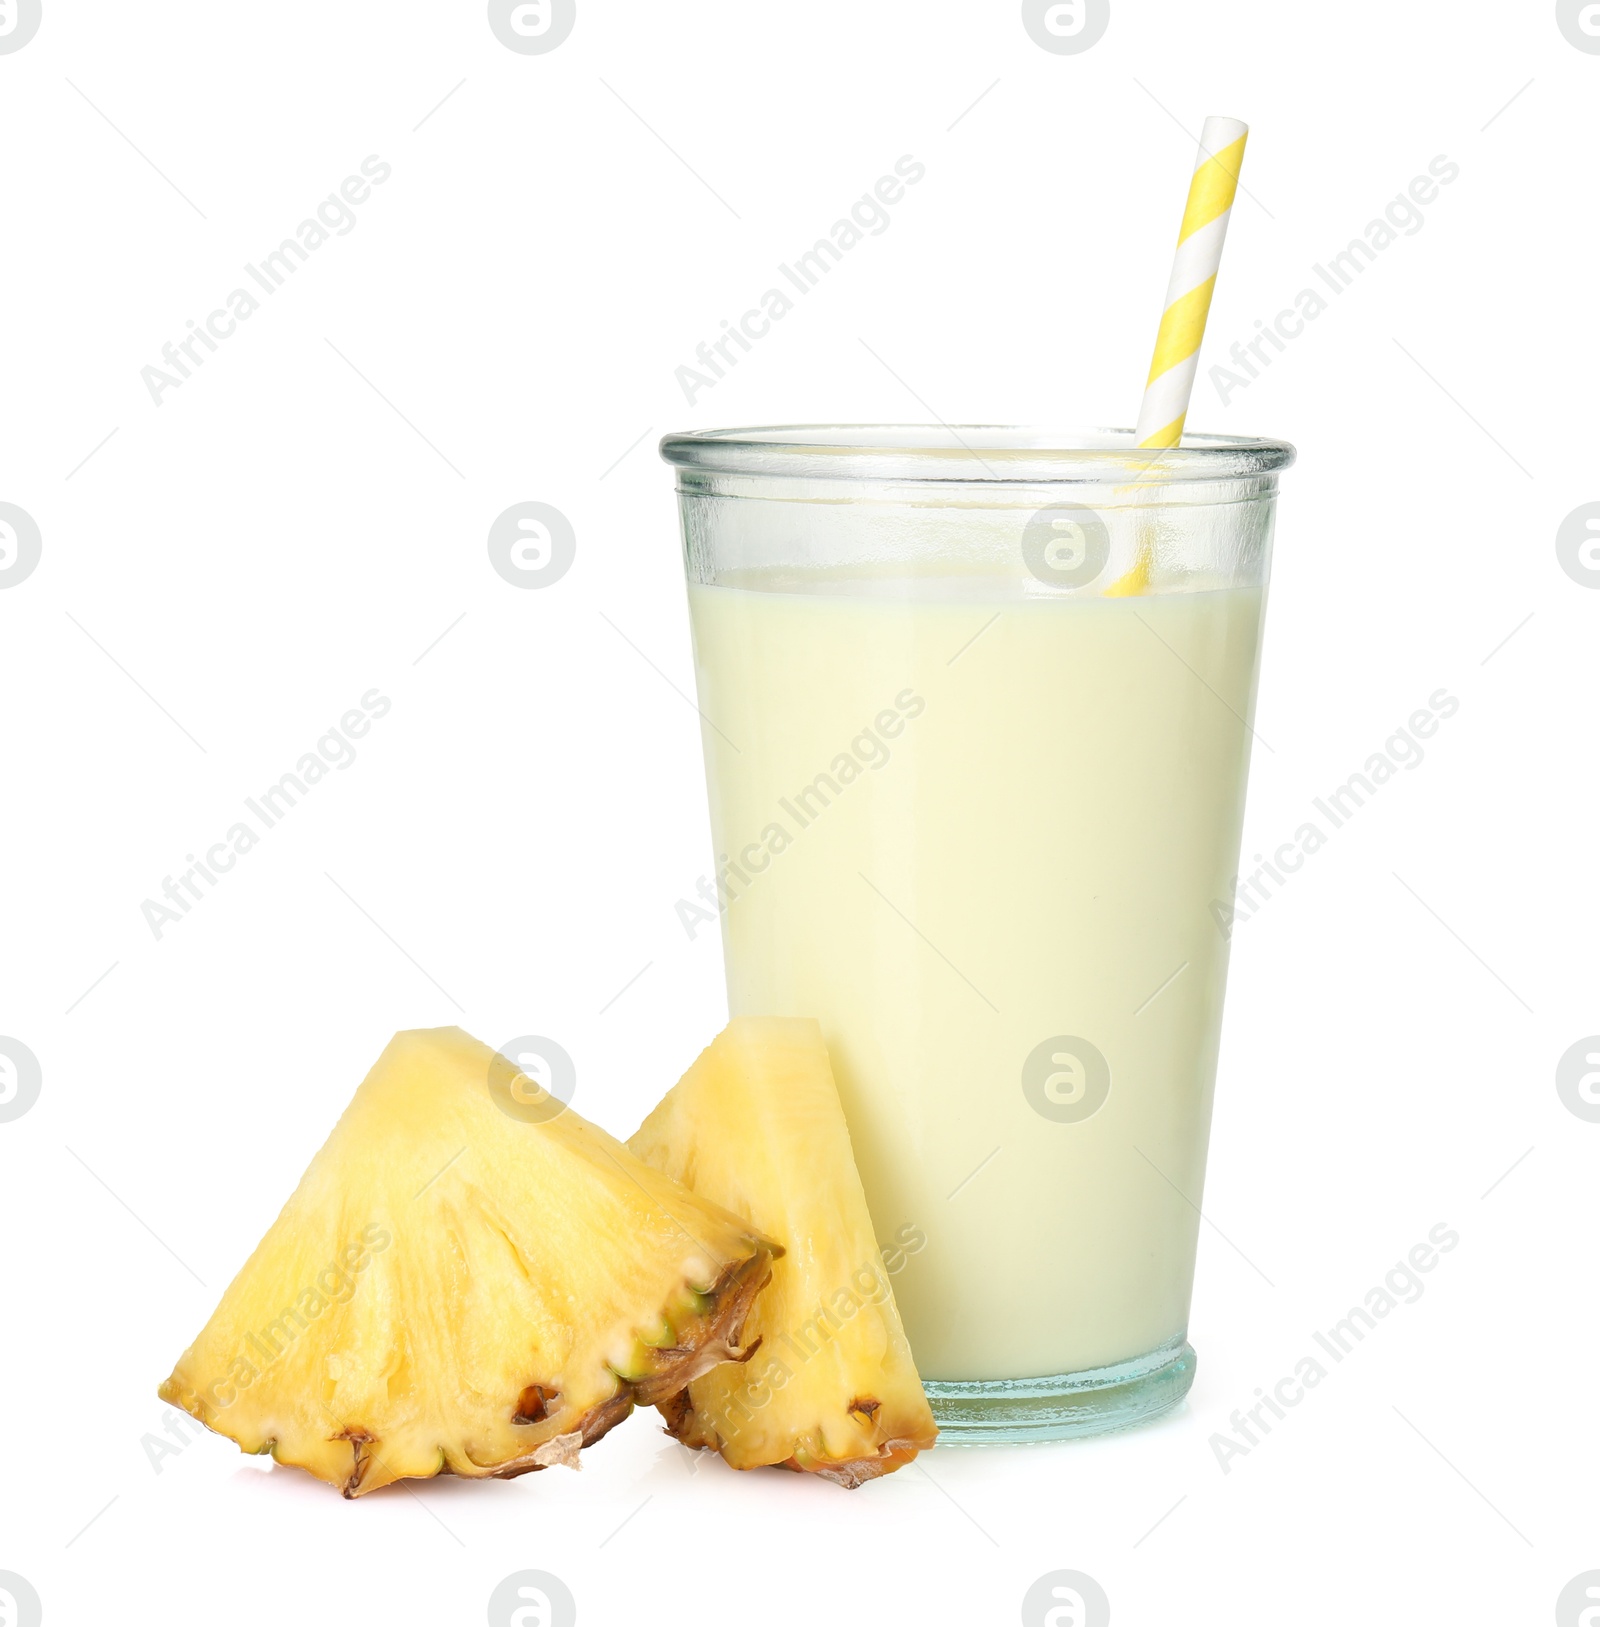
x=470 y=1279
x=756 y=1126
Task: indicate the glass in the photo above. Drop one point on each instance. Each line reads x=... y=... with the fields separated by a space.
x=977 y=709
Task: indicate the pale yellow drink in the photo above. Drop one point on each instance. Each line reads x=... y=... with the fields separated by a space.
x=950 y=837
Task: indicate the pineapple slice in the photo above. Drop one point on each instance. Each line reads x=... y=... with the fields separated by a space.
x=468 y=1280
x=756 y=1126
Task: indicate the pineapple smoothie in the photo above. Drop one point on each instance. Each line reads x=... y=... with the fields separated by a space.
x=978 y=837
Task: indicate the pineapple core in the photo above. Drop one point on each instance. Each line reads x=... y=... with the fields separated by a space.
x=460 y=1288
x=756 y=1126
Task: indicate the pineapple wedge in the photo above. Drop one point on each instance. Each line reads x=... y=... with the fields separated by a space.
x=468 y=1280
x=756 y=1126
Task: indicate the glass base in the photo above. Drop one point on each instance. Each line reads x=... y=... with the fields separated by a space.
x=997 y=1412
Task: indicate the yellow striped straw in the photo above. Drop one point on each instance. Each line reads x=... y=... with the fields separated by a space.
x=1183 y=320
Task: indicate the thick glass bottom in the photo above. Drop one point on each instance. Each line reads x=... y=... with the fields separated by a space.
x=992 y=1412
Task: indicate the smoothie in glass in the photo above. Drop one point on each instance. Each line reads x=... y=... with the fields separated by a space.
x=981 y=820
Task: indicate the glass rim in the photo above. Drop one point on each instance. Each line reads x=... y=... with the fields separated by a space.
x=969 y=453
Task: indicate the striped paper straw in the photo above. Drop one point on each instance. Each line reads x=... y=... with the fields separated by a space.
x=1194 y=275
x=1183 y=321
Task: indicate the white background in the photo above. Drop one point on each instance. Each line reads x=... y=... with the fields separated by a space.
x=230 y=571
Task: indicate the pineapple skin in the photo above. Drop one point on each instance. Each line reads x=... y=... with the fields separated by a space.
x=455 y=1290
x=756 y=1126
